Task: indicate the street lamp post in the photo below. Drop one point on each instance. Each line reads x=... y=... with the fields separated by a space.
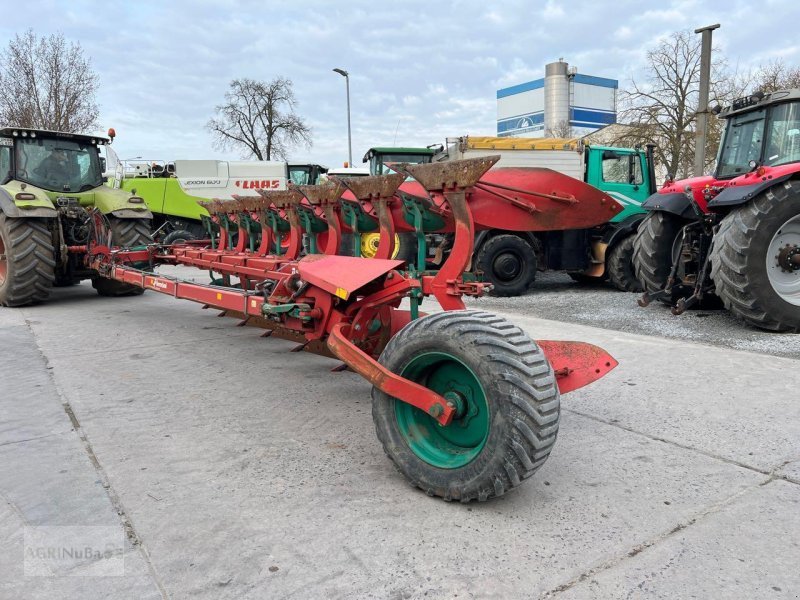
x=346 y=76
x=701 y=131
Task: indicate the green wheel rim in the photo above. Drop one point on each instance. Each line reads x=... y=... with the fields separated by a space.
x=460 y=442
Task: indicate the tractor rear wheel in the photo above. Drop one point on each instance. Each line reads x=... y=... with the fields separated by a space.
x=509 y=263
x=755 y=259
x=507 y=403
x=125 y=233
x=619 y=264
x=27 y=261
x=655 y=247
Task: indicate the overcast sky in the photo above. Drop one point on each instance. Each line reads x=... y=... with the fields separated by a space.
x=419 y=71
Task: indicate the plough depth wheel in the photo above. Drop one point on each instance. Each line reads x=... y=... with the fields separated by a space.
x=506 y=400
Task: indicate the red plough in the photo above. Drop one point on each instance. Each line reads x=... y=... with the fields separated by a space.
x=464 y=402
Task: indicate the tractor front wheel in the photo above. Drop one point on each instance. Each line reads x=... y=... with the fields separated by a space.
x=755 y=259
x=655 y=247
x=178 y=236
x=619 y=265
x=27 y=261
x=505 y=395
x=125 y=233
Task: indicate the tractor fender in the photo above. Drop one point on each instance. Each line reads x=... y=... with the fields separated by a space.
x=118 y=203
x=129 y=213
x=10 y=208
x=480 y=239
x=619 y=231
x=739 y=194
x=675 y=202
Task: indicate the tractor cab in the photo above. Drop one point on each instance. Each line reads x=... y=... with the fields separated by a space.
x=379 y=159
x=49 y=160
x=305 y=173
x=762 y=131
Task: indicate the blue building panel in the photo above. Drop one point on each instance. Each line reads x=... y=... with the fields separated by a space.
x=522 y=87
x=596 y=117
x=527 y=122
x=598 y=81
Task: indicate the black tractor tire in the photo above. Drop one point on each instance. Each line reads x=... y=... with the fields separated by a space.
x=65 y=280
x=588 y=280
x=125 y=233
x=406 y=252
x=522 y=400
x=652 y=252
x=178 y=236
x=619 y=266
x=509 y=263
x=739 y=259
x=28 y=261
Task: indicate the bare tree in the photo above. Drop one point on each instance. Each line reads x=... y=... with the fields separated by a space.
x=776 y=75
x=562 y=129
x=47 y=83
x=662 y=108
x=258 y=119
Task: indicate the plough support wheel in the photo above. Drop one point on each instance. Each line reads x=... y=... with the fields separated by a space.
x=504 y=393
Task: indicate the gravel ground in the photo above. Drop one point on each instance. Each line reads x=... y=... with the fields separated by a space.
x=555 y=296
x=222 y=465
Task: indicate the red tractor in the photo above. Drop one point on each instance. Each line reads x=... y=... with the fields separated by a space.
x=733 y=236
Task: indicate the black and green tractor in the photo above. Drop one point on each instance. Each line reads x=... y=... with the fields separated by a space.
x=51 y=183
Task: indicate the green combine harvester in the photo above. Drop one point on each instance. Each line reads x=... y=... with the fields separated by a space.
x=172 y=189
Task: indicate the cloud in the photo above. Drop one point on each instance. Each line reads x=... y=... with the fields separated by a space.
x=624 y=32
x=552 y=10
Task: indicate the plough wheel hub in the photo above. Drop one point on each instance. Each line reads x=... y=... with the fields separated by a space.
x=461 y=441
x=371 y=241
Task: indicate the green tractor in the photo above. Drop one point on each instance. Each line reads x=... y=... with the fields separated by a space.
x=49 y=181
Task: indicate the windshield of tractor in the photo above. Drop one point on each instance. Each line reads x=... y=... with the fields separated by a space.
x=378 y=162
x=742 y=143
x=5 y=160
x=58 y=165
x=783 y=137
x=300 y=175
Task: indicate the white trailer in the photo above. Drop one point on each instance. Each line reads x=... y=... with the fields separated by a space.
x=562 y=155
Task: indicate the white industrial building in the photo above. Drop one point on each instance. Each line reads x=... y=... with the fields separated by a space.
x=564 y=103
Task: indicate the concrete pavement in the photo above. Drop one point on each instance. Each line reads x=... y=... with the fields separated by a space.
x=239 y=470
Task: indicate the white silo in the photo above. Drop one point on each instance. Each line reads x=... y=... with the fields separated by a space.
x=556 y=96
